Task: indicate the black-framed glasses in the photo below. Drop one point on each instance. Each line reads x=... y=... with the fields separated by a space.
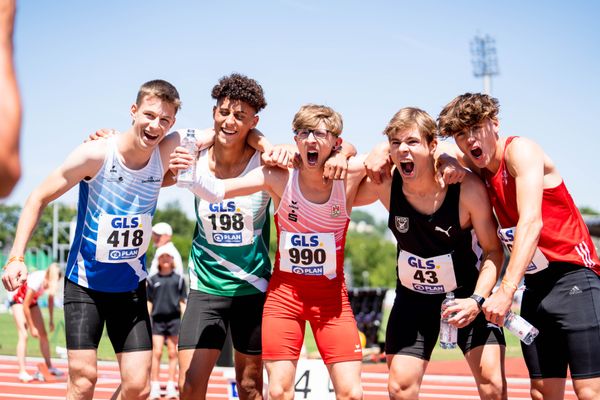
x=317 y=133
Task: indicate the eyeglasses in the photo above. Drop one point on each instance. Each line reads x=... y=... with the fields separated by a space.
x=317 y=133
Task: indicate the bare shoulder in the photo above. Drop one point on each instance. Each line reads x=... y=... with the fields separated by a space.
x=521 y=149
x=472 y=188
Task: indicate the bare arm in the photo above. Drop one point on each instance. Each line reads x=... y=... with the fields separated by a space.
x=27 y=311
x=10 y=105
x=474 y=199
x=84 y=161
x=525 y=161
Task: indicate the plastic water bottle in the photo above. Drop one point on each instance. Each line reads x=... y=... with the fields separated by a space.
x=520 y=327
x=448 y=332
x=186 y=177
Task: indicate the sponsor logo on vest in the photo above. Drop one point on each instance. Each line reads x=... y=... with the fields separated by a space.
x=429 y=288
x=313 y=270
x=126 y=254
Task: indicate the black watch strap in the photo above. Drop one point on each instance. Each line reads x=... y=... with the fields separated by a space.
x=478 y=299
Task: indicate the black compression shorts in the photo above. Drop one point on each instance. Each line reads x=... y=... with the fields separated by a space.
x=125 y=314
x=207 y=318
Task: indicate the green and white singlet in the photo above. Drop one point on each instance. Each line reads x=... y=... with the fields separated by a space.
x=230 y=251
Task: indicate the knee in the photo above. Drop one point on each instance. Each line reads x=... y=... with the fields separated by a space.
x=138 y=388
x=250 y=386
x=187 y=390
x=398 y=390
x=587 y=393
x=82 y=379
x=278 y=392
x=353 y=393
x=492 y=389
x=157 y=353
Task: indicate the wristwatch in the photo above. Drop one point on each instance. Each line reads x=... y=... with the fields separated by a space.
x=478 y=299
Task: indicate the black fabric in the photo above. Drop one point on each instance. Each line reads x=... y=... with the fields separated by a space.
x=125 y=315
x=165 y=293
x=207 y=318
x=563 y=303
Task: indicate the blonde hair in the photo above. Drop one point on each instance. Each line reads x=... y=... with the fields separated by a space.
x=310 y=116
x=410 y=117
x=161 y=89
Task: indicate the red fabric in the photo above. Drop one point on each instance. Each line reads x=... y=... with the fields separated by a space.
x=564 y=236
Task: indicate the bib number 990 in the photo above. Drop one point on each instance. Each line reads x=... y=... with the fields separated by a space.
x=307 y=256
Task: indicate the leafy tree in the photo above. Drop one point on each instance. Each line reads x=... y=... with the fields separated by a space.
x=588 y=211
x=183 y=229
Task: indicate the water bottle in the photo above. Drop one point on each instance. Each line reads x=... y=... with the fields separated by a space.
x=448 y=332
x=186 y=177
x=520 y=327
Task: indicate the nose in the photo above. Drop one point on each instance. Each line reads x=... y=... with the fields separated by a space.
x=155 y=123
x=230 y=119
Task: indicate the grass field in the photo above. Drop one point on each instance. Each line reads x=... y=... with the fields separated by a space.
x=8 y=341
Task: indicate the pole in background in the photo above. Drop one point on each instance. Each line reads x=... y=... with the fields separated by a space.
x=484 y=59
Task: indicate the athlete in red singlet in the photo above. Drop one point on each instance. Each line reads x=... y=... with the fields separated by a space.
x=312 y=217
x=549 y=243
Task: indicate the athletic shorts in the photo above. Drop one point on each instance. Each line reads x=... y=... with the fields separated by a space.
x=414 y=325
x=207 y=318
x=125 y=314
x=166 y=328
x=563 y=303
x=328 y=311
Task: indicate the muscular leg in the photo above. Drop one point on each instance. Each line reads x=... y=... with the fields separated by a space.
x=281 y=379
x=587 y=389
x=487 y=365
x=134 y=367
x=38 y=322
x=345 y=377
x=195 y=366
x=249 y=376
x=157 y=346
x=82 y=374
x=405 y=377
x=548 y=389
x=19 y=317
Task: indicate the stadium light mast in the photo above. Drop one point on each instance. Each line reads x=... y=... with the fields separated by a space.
x=484 y=59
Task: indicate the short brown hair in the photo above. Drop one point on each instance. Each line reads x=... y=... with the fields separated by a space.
x=310 y=116
x=161 y=89
x=240 y=87
x=465 y=111
x=409 y=117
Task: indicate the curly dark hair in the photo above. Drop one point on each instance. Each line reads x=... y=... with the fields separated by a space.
x=465 y=111
x=240 y=87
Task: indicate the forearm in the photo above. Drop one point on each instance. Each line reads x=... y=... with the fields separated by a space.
x=182 y=307
x=527 y=234
x=28 y=220
x=258 y=141
x=489 y=272
x=51 y=309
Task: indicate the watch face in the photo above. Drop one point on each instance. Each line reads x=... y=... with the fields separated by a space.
x=480 y=300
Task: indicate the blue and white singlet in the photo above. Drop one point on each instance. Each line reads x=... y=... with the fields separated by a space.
x=114 y=224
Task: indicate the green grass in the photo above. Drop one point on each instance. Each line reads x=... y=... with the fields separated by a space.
x=8 y=341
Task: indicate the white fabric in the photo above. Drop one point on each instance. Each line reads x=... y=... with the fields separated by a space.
x=172 y=250
x=209 y=188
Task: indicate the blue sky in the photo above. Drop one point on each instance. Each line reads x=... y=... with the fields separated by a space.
x=80 y=64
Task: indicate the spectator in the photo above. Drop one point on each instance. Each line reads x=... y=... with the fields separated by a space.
x=166 y=303
x=28 y=316
x=161 y=237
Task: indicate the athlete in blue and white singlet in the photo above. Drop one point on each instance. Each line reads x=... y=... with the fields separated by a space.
x=114 y=224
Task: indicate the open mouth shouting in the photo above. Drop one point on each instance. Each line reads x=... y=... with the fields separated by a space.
x=407 y=167
x=312 y=157
x=476 y=152
x=148 y=136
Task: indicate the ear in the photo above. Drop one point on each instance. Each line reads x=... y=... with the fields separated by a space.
x=214 y=111
x=338 y=142
x=255 y=121
x=133 y=110
x=433 y=146
x=495 y=125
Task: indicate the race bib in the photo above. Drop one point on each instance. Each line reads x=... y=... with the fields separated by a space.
x=308 y=253
x=229 y=223
x=122 y=237
x=426 y=275
x=539 y=261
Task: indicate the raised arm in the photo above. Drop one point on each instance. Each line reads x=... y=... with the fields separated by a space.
x=84 y=161
x=10 y=105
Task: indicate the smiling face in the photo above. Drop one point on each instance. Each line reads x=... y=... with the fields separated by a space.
x=152 y=120
x=479 y=141
x=233 y=119
x=411 y=153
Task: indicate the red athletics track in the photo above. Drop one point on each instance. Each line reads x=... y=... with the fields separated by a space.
x=444 y=380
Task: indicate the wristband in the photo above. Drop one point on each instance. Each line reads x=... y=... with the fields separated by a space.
x=13 y=259
x=509 y=284
x=478 y=299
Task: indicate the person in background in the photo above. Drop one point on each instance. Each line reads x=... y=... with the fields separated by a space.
x=28 y=316
x=161 y=237
x=166 y=302
x=10 y=105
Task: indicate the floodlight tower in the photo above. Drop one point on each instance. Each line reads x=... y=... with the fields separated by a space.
x=485 y=62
